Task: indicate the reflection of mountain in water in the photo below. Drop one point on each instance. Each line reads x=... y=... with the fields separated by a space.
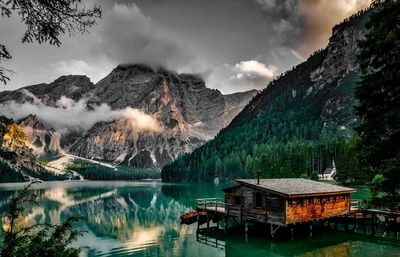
x=122 y=219
x=126 y=211
x=142 y=219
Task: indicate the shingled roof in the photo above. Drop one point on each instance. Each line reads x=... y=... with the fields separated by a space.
x=295 y=187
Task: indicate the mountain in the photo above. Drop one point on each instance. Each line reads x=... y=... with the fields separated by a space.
x=14 y=144
x=15 y=155
x=299 y=124
x=135 y=116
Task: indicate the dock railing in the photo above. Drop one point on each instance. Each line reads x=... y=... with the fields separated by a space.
x=358 y=205
x=212 y=204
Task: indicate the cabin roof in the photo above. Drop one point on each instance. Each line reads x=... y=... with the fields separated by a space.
x=295 y=187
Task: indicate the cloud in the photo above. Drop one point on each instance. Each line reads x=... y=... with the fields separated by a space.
x=320 y=16
x=242 y=76
x=257 y=68
x=128 y=36
x=69 y=115
x=95 y=71
x=308 y=22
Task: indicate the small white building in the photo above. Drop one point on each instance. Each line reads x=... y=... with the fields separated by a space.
x=329 y=173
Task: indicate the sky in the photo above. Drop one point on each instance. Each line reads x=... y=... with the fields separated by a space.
x=234 y=45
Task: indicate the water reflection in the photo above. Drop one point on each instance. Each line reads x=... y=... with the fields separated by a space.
x=329 y=244
x=142 y=219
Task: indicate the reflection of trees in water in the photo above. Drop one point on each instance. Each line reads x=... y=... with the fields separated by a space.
x=134 y=217
x=329 y=244
x=186 y=193
x=122 y=214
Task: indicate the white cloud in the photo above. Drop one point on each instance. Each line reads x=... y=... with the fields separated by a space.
x=242 y=76
x=257 y=68
x=69 y=115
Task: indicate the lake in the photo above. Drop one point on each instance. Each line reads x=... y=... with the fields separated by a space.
x=142 y=219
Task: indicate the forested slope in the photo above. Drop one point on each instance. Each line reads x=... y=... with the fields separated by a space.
x=298 y=125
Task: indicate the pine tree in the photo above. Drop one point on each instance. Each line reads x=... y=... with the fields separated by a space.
x=38 y=240
x=379 y=101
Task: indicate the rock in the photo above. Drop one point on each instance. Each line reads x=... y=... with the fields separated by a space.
x=188 y=112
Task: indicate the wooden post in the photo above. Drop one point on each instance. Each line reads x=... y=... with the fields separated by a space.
x=365 y=222
x=246 y=229
x=208 y=222
x=355 y=221
x=226 y=223
x=272 y=230
x=198 y=221
x=373 y=224
x=292 y=230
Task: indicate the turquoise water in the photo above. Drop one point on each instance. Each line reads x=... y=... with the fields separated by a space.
x=142 y=219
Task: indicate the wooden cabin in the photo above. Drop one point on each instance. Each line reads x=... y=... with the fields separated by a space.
x=286 y=201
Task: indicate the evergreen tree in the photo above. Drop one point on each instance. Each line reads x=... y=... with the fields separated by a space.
x=43 y=239
x=314 y=176
x=379 y=101
x=45 y=22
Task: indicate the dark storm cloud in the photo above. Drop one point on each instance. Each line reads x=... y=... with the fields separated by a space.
x=235 y=44
x=128 y=36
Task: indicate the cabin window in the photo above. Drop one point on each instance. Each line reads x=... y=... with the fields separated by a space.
x=334 y=198
x=328 y=199
x=258 y=200
x=343 y=197
x=290 y=202
x=301 y=201
x=237 y=200
x=320 y=200
x=308 y=200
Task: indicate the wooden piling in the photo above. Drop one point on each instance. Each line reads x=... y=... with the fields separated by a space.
x=226 y=223
x=208 y=222
x=292 y=230
x=365 y=223
x=355 y=221
x=373 y=224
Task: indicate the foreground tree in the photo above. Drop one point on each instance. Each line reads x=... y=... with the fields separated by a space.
x=379 y=102
x=46 y=21
x=42 y=239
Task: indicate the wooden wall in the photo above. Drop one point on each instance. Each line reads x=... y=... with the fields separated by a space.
x=271 y=211
x=318 y=208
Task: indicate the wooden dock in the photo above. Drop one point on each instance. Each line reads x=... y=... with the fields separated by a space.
x=283 y=204
x=380 y=221
x=213 y=205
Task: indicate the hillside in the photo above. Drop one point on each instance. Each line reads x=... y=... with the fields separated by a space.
x=136 y=116
x=299 y=124
x=17 y=163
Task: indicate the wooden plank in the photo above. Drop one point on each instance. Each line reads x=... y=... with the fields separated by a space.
x=319 y=208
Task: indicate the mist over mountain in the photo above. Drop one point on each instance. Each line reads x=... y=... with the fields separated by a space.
x=136 y=116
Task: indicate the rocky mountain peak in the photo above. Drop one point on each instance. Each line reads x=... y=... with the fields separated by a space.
x=185 y=110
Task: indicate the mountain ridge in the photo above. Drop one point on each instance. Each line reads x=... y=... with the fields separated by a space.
x=187 y=112
x=300 y=123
